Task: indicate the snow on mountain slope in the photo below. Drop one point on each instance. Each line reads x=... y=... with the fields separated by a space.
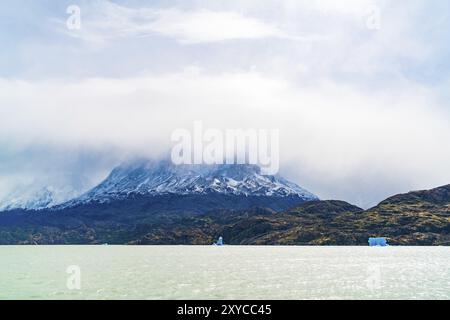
x=163 y=178
x=33 y=197
x=27 y=199
x=44 y=190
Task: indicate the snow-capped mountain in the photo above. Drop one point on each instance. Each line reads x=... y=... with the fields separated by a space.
x=163 y=178
x=44 y=192
x=35 y=197
x=28 y=199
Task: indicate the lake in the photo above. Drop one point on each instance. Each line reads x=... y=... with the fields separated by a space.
x=228 y=272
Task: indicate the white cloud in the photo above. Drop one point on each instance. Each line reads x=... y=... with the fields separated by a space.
x=210 y=26
x=107 y=21
x=330 y=133
x=352 y=7
x=363 y=113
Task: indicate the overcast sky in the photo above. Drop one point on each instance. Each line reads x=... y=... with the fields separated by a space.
x=359 y=89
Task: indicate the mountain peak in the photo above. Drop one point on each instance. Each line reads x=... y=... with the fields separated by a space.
x=146 y=177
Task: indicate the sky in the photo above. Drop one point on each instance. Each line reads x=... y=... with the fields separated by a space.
x=358 y=89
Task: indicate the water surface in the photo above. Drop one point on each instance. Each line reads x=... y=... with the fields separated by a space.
x=229 y=272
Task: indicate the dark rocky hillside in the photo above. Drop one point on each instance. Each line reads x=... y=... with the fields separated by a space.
x=415 y=218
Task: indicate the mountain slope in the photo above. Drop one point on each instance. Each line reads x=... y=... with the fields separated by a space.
x=154 y=184
x=419 y=217
x=436 y=196
x=150 y=178
x=311 y=223
x=44 y=193
x=416 y=218
x=37 y=197
x=251 y=226
x=27 y=199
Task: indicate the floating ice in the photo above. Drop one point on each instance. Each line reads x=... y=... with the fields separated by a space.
x=219 y=242
x=378 y=242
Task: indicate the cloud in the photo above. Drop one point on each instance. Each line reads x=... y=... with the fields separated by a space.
x=343 y=7
x=107 y=21
x=362 y=113
x=330 y=133
x=208 y=26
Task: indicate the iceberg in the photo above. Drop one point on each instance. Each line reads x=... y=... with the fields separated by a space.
x=378 y=242
x=219 y=242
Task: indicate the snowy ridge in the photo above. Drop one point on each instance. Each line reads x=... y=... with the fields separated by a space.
x=27 y=199
x=162 y=178
x=35 y=197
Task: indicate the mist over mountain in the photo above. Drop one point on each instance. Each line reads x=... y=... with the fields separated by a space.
x=350 y=124
x=38 y=197
x=148 y=179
